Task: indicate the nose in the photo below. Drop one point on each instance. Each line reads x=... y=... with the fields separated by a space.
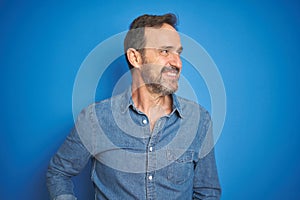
x=175 y=60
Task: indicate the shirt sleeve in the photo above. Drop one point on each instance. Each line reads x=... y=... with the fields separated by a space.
x=206 y=180
x=66 y=197
x=69 y=160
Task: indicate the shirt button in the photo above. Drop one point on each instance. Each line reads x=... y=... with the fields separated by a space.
x=151 y=149
x=145 y=121
x=150 y=177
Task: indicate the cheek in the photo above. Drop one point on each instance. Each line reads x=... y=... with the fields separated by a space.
x=157 y=60
x=152 y=69
x=163 y=61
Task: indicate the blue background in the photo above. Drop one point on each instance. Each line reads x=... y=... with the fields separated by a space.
x=255 y=45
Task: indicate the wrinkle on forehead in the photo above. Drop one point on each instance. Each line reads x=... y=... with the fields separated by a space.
x=164 y=36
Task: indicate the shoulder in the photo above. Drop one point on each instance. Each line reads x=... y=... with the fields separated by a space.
x=187 y=107
x=105 y=107
x=108 y=103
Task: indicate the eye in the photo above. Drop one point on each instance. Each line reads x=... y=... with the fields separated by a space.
x=164 y=52
x=179 y=52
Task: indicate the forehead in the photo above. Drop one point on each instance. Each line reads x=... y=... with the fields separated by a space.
x=166 y=35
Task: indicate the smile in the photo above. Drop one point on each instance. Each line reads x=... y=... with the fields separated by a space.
x=170 y=71
x=171 y=74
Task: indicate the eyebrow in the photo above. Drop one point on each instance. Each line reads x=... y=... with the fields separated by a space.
x=180 y=49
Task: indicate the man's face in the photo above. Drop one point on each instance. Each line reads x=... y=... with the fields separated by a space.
x=161 y=59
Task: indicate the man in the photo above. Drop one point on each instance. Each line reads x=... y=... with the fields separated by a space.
x=146 y=143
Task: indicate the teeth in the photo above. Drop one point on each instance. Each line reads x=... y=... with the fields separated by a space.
x=171 y=74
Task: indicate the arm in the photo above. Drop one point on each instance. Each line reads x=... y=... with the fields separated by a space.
x=70 y=159
x=206 y=181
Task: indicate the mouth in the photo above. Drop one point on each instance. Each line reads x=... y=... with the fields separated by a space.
x=171 y=72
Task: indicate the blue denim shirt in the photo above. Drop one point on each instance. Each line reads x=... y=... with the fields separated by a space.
x=173 y=161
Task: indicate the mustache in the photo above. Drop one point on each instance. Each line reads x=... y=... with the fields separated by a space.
x=170 y=69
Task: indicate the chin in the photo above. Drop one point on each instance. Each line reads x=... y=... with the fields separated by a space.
x=168 y=91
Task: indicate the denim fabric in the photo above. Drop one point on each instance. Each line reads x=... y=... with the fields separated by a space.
x=173 y=161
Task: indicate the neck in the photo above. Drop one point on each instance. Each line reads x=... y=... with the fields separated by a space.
x=152 y=104
x=144 y=99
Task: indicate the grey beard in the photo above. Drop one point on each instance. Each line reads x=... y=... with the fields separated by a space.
x=156 y=85
x=160 y=89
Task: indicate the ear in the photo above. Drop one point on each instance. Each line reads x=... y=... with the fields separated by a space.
x=134 y=57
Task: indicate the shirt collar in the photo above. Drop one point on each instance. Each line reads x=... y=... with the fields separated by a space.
x=128 y=102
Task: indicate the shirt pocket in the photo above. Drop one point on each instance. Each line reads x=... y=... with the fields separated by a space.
x=180 y=170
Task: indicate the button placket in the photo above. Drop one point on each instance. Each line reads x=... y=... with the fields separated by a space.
x=145 y=121
x=151 y=167
x=150 y=149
